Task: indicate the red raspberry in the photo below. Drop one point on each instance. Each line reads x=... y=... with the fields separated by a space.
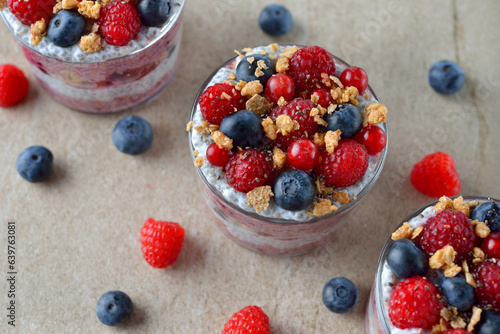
x=448 y=227
x=307 y=65
x=214 y=107
x=414 y=304
x=119 y=23
x=161 y=242
x=249 y=320
x=30 y=11
x=457 y=331
x=299 y=110
x=248 y=169
x=13 y=85
x=345 y=166
x=435 y=175
x=487 y=275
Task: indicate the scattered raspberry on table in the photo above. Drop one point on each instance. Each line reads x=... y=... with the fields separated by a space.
x=249 y=320
x=161 y=242
x=13 y=85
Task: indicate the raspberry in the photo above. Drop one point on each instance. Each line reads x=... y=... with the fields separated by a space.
x=161 y=242
x=249 y=320
x=487 y=275
x=298 y=110
x=13 y=85
x=248 y=169
x=435 y=175
x=119 y=23
x=414 y=304
x=30 y=11
x=345 y=166
x=308 y=64
x=214 y=106
x=448 y=227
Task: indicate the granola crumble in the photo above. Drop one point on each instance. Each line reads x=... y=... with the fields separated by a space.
x=259 y=104
x=468 y=276
x=260 y=197
x=443 y=204
x=288 y=52
x=376 y=113
x=37 y=31
x=279 y=158
x=458 y=323
x=474 y=319
x=199 y=161
x=282 y=65
x=189 y=125
x=203 y=128
x=240 y=85
x=284 y=124
x=322 y=189
x=232 y=76
x=444 y=258
x=478 y=255
x=269 y=128
x=460 y=205
x=274 y=47
x=90 y=43
x=342 y=197
x=319 y=139
x=403 y=232
x=89 y=9
x=282 y=102
x=332 y=140
x=322 y=207
x=482 y=230
x=3 y=4
x=250 y=60
x=222 y=140
x=416 y=232
x=252 y=88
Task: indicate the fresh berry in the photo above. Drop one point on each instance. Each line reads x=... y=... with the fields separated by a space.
x=217 y=156
x=435 y=276
x=293 y=190
x=303 y=154
x=487 y=275
x=491 y=245
x=161 y=242
x=153 y=13
x=114 y=308
x=373 y=138
x=248 y=169
x=340 y=295
x=345 y=166
x=132 y=135
x=255 y=67
x=347 y=119
x=280 y=85
x=489 y=323
x=324 y=97
x=414 y=304
x=458 y=292
x=30 y=11
x=66 y=28
x=249 y=320
x=355 y=76
x=435 y=175
x=34 y=164
x=446 y=77
x=275 y=20
x=448 y=227
x=244 y=128
x=489 y=213
x=457 y=331
x=13 y=85
x=308 y=64
x=406 y=260
x=119 y=23
x=219 y=101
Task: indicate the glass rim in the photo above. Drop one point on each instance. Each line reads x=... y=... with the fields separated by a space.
x=283 y=221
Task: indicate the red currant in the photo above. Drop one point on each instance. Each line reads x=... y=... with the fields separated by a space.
x=324 y=97
x=303 y=154
x=491 y=245
x=280 y=85
x=372 y=138
x=355 y=76
x=217 y=156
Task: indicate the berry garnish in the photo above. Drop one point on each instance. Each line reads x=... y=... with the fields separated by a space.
x=324 y=97
x=491 y=245
x=244 y=128
x=435 y=175
x=280 y=85
x=457 y=331
x=34 y=164
x=255 y=67
x=293 y=190
x=347 y=119
x=217 y=156
x=446 y=77
x=458 y=292
x=114 y=308
x=13 y=85
x=303 y=154
x=248 y=169
x=153 y=13
x=119 y=23
x=406 y=260
x=275 y=20
x=219 y=101
x=414 y=304
x=487 y=275
x=340 y=295
x=355 y=76
x=30 y=11
x=488 y=213
x=66 y=28
x=373 y=138
x=161 y=242
x=489 y=323
x=249 y=320
x=132 y=135
x=308 y=64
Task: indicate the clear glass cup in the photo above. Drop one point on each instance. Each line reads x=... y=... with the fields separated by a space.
x=275 y=236
x=120 y=82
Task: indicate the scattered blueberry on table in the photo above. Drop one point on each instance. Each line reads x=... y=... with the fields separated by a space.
x=446 y=77
x=114 y=308
x=34 y=164
x=275 y=20
x=132 y=135
x=340 y=295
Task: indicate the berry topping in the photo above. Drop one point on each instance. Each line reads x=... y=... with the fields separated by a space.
x=446 y=77
x=488 y=213
x=119 y=23
x=66 y=28
x=280 y=85
x=255 y=67
x=414 y=304
x=153 y=13
x=219 y=101
x=340 y=295
x=355 y=76
x=13 y=85
x=114 y=308
x=34 y=164
x=248 y=169
x=435 y=175
x=132 y=135
x=217 y=156
x=489 y=323
x=303 y=154
x=491 y=245
x=30 y=11
x=293 y=190
x=345 y=166
x=487 y=275
x=458 y=292
x=324 y=97
x=308 y=64
x=347 y=119
x=249 y=320
x=457 y=331
x=275 y=20
x=244 y=128
x=373 y=138
x=406 y=260
x=161 y=242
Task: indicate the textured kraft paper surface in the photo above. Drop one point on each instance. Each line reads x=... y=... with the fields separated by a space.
x=77 y=236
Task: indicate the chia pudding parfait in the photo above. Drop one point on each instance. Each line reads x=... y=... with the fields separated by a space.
x=94 y=75
x=261 y=211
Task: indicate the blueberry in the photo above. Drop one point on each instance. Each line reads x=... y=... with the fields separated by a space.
x=275 y=20
x=435 y=276
x=340 y=295
x=132 y=135
x=347 y=119
x=66 y=28
x=446 y=77
x=34 y=164
x=114 y=308
x=489 y=213
x=489 y=323
x=458 y=292
x=248 y=66
x=244 y=128
x=406 y=260
x=153 y=13
x=293 y=190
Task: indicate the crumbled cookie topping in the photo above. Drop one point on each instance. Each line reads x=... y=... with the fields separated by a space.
x=282 y=65
x=269 y=128
x=37 y=31
x=232 y=76
x=279 y=158
x=282 y=102
x=403 y=232
x=260 y=197
x=250 y=60
x=376 y=113
x=460 y=205
x=252 y=88
x=440 y=328
x=478 y=255
x=274 y=47
x=285 y=124
x=203 y=129
x=222 y=140
x=416 y=232
x=199 y=161
x=444 y=258
x=240 y=55
x=319 y=139
x=288 y=52
x=69 y=4
x=3 y=4
x=240 y=85
x=322 y=207
x=443 y=204
x=259 y=104
x=458 y=323
x=336 y=81
x=474 y=319
x=482 y=230
x=468 y=276
x=332 y=140
x=322 y=189
x=89 y=9
x=90 y=43
x=342 y=197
